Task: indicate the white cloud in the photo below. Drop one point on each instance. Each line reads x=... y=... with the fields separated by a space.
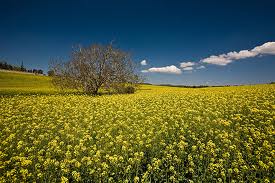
x=201 y=67
x=240 y=55
x=187 y=64
x=187 y=68
x=216 y=60
x=168 y=69
x=224 y=59
x=143 y=62
x=267 y=48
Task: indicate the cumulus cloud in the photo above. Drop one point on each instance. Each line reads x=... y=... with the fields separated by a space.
x=168 y=69
x=240 y=55
x=267 y=48
x=224 y=59
x=187 y=68
x=143 y=62
x=216 y=60
x=187 y=64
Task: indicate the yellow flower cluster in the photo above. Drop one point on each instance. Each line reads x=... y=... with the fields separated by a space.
x=159 y=134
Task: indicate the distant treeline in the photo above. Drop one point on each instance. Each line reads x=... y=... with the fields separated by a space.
x=4 y=65
x=189 y=86
x=199 y=86
x=184 y=86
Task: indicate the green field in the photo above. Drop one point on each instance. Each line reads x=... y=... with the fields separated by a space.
x=159 y=134
x=20 y=82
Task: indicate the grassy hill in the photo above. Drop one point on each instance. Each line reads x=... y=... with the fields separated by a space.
x=14 y=82
x=19 y=82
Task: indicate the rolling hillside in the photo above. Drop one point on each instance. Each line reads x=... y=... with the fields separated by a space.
x=19 y=82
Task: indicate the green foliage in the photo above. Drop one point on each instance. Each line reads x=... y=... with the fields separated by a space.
x=123 y=88
x=50 y=73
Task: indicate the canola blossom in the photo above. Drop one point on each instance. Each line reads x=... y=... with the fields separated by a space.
x=159 y=134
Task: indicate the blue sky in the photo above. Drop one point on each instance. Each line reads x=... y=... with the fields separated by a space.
x=164 y=33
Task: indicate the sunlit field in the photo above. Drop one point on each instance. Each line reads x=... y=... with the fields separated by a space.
x=24 y=83
x=159 y=134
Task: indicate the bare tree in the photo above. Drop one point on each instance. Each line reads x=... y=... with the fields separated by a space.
x=97 y=66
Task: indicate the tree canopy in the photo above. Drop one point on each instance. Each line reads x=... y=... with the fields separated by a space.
x=97 y=66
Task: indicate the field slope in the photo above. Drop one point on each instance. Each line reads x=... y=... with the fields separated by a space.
x=159 y=134
x=19 y=82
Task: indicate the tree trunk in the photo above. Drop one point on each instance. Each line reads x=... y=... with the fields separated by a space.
x=95 y=92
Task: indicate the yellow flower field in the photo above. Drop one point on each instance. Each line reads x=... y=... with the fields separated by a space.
x=159 y=134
